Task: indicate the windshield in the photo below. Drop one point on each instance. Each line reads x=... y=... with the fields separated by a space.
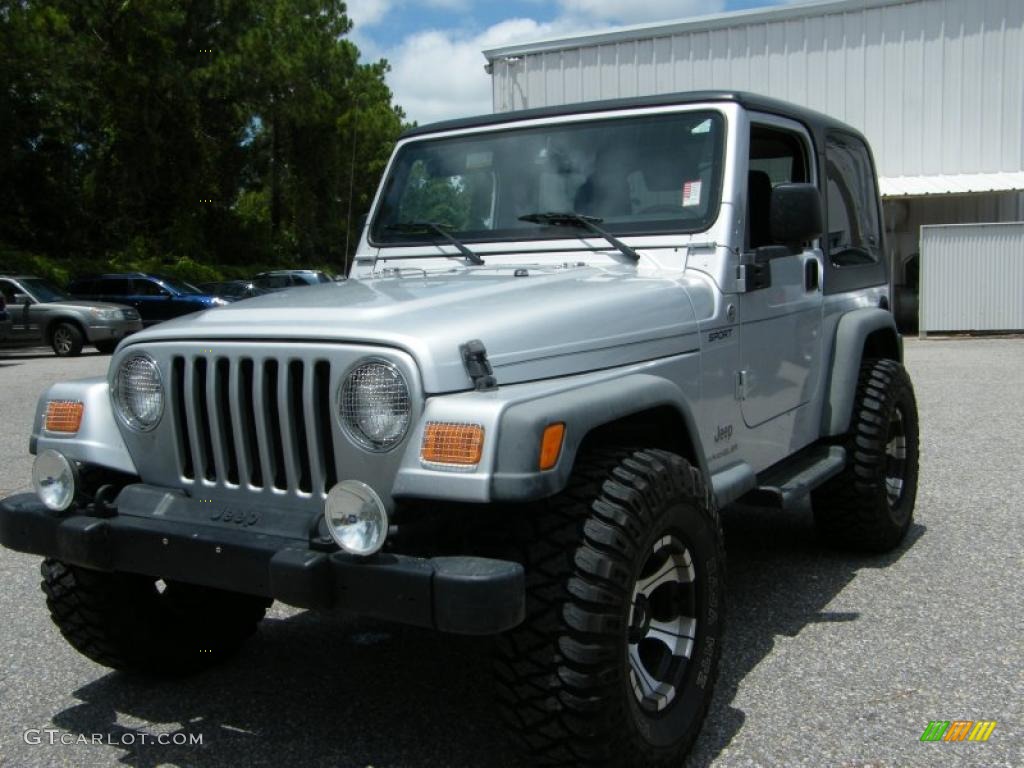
x=638 y=175
x=44 y=290
x=180 y=286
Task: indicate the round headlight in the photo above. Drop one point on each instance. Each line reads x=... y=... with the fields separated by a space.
x=54 y=480
x=139 y=392
x=373 y=404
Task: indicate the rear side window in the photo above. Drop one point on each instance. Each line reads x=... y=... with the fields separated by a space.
x=854 y=231
x=115 y=286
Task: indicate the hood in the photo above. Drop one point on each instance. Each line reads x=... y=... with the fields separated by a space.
x=550 y=322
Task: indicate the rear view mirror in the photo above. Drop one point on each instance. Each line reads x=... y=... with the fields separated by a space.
x=22 y=298
x=796 y=215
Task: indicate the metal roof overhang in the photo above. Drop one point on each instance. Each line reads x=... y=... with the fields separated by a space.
x=957 y=184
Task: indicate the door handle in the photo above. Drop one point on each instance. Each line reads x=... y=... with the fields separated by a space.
x=811 y=280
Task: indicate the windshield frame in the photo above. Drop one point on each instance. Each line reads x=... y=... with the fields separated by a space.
x=714 y=111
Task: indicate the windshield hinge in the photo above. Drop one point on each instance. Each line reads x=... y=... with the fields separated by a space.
x=474 y=359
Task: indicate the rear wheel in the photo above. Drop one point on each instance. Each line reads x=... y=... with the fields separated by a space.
x=67 y=340
x=616 y=660
x=127 y=622
x=870 y=505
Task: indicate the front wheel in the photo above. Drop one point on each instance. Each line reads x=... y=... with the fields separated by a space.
x=127 y=622
x=67 y=340
x=616 y=660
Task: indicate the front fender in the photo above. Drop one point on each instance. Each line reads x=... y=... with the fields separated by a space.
x=98 y=441
x=514 y=417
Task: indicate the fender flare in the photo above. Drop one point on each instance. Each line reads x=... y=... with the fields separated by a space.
x=852 y=333
x=516 y=476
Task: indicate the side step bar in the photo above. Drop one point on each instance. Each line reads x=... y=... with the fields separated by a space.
x=785 y=485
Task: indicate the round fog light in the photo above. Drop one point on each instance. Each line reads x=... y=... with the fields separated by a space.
x=54 y=479
x=356 y=517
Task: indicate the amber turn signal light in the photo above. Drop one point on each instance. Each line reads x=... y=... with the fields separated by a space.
x=64 y=416
x=447 y=443
x=551 y=445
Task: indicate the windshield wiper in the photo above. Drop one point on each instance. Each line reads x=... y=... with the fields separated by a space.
x=570 y=219
x=412 y=227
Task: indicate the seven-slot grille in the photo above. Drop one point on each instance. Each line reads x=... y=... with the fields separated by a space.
x=254 y=421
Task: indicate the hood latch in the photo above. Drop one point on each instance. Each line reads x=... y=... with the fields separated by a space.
x=474 y=360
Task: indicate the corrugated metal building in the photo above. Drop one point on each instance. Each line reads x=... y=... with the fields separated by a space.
x=937 y=86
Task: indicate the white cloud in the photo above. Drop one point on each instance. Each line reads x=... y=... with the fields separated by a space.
x=438 y=74
x=639 y=11
x=366 y=13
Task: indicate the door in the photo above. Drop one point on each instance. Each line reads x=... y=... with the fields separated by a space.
x=153 y=301
x=780 y=324
x=18 y=307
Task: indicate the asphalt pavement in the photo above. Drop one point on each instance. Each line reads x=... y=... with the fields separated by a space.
x=830 y=659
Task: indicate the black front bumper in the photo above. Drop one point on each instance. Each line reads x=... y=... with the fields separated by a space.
x=467 y=595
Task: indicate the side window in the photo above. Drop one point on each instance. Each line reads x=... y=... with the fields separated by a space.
x=83 y=287
x=776 y=157
x=113 y=287
x=854 y=231
x=146 y=288
x=8 y=290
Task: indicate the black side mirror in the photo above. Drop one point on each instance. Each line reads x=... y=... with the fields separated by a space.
x=795 y=216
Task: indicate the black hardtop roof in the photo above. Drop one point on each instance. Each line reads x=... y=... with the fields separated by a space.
x=752 y=101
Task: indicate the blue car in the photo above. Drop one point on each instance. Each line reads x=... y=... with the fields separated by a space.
x=157 y=298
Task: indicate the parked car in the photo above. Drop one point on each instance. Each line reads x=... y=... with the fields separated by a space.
x=280 y=279
x=521 y=422
x=39 y=311
x=156 y=298
x=232 y=290
x=5 y=319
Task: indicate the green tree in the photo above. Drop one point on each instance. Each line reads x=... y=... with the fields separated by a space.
x=234 y=132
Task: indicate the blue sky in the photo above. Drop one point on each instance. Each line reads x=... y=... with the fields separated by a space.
x=434 y=45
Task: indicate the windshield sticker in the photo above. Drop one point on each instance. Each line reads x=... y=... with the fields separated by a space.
x=702 y=127
x=691 y=193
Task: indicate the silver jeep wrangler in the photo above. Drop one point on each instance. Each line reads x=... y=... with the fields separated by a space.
x=573 y=336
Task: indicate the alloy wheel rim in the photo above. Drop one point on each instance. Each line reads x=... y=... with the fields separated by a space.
x=63 y=339
x=662 y=624
x=895 y=459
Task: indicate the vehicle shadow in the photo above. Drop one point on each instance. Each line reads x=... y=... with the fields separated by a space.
x=310 y=690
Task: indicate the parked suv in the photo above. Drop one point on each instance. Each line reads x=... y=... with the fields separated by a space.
x=522 y=419
x=155 y=297
x=5 y=319
x=41 y=312
x=280 y=279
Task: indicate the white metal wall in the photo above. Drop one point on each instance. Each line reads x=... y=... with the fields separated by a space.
x=972 y=277
x=936 y=85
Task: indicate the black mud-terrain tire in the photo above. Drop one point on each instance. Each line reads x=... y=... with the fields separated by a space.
x=67 y=340
x=124 y=621
x=565 y=676
x=106 y=346
x=869 y=506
